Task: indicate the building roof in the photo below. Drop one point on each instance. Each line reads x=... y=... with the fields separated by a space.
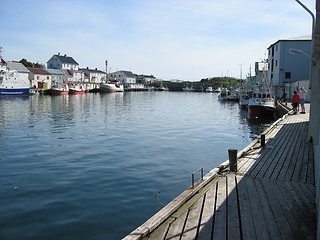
x=92 y=70
x=54 y=71
x=65 y=59
x=67 y=73
x=128 y=74
x=301 y=38
x=13 y=65
x=41 y=71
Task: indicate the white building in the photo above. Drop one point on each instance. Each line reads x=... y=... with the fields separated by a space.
x=124 y=77
x=57 y=76
x=286 y=68
x=62 y=62
x=94 y=75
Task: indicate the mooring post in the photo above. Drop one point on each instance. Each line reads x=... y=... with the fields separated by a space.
x=263 y=140
x=233 y=159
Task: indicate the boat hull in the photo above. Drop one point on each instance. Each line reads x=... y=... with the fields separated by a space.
x=58 y=92
x=73 y=91
x=111 y=88
x=260 y=111
x=9 y=92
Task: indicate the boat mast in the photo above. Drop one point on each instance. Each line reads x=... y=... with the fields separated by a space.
x=106 y=70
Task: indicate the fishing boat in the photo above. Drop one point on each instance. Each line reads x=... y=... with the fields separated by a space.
x=12 y=83
x=209 y=89
x=261 y=104
x=163 y=88
x=76 y=89
x=111 y=86
x=59 y=89
x=244 y=98
x=190 y=89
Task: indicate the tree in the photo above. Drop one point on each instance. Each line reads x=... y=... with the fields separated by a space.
x=26 y=63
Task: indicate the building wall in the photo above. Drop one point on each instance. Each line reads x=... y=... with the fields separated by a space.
x=286 y=67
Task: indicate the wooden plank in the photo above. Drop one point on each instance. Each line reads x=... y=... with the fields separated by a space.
x=304 y=210
x=263 y=162
x=246 y=218
x=191 y=227
x=233 y=220
x=256 y=211
x=275 y=202
x=206 y=223
x=220 y=219
x=280 y=150
x=310 y=172
x=266 y=209
x=176 y=227
x=290 y=158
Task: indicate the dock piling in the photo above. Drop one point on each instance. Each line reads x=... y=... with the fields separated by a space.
x=233 y=159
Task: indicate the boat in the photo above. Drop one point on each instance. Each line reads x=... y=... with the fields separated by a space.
x=12 y=83
x=261 y=104
x=224 y=95
x=111 y=86
x=76 y=89
x=209 y=89
x=190 y=89
x=229 y=95
x=59 y=89
x=163 y=88
x=244 y=98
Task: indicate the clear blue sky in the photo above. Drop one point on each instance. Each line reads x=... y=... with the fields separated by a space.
x=171 y=39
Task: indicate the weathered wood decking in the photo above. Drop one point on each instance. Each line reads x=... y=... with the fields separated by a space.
x=272 y=196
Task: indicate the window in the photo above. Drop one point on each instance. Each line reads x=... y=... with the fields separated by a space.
x=287 y=75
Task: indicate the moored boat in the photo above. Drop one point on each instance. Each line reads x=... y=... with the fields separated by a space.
x=111 y=86
x=12 y=83
x=76 y=89
x=163 y=88
x=209 y=89
x=261 y=104
x=59 y=90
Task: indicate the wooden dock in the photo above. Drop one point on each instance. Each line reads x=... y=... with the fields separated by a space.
x=271 y=196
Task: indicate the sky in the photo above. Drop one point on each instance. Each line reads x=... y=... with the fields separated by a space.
x=170 y=39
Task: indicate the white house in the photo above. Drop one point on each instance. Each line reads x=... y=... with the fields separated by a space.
x=125 y=77
x=285 y=67
x=94 y=75
x=146 y=78
x=58 y=61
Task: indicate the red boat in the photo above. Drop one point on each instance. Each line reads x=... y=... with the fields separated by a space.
x=77 y=90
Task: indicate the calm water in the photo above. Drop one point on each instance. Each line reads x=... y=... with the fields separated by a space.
x=96 y=166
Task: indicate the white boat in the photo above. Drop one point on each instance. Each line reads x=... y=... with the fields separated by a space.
x=163 y=88
x=111 y=86
x=186 y=88
x=261 y=104
x=209 y=89
x=12 y=83
x=76 y=89
x=244 y=98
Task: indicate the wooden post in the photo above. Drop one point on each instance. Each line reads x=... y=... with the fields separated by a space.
x=263 y=140
x=233 y=159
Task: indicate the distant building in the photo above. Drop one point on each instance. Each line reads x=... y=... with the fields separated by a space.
x=286 y=68
x=58 y=61
x=94 y=75
x=39 y=78
x=124 y=77
x=57 y=76
x=145 y=78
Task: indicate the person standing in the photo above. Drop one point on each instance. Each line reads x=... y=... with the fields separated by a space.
x=295 y=101
x=302 y=93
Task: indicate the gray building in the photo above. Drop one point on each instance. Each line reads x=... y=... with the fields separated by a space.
x=286 y=68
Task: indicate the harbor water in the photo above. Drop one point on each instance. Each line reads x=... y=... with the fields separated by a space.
x=96 y=166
